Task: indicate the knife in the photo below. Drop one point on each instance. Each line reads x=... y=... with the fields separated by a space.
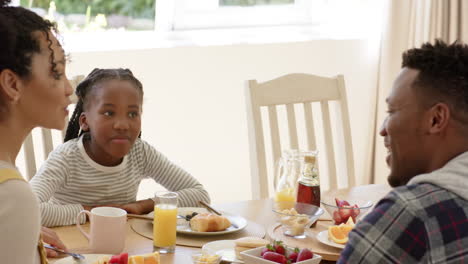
x=207 y=206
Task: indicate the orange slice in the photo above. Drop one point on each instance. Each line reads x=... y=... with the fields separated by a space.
x=339 y=233
x=350 y=221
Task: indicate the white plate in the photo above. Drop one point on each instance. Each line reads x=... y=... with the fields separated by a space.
x=184 y=228
x=89 y=259
x=224 y=248
x=323 y=237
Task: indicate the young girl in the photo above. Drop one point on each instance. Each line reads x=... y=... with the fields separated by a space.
x=34 y=92
x=103 y=160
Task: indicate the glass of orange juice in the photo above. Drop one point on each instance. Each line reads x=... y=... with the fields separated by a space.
x=165 y=222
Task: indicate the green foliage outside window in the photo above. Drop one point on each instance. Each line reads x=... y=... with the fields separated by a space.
x=95 y=13
x=134 y=8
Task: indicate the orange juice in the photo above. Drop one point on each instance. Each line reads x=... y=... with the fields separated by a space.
x=164 y=225
x=285 y=198
x=285 y=195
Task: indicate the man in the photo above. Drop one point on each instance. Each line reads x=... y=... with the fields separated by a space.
x=425 y=218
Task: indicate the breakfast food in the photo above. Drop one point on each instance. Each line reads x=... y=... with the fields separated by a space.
x=294 y=221
x=205 y=258
x=151 y=258
x=345 y=211
x=246 y=243
x=207 y=222
x=277 y=252
x=339 y=233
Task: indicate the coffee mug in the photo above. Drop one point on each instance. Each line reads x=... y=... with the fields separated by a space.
x=107 y=229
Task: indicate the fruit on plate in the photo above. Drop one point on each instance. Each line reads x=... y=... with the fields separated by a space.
x=304 y=254
x=151 y=258
x=275 y=257
x=119 y=259
x=345 y=211
x=339 y=233
x=278 y=253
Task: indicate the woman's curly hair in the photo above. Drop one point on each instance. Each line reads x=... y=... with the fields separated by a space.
x=443 y=74
x=19 y=42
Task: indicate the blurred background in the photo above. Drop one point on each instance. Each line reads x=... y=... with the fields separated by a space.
x=193 y=58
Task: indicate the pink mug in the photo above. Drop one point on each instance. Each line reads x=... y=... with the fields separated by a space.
x=107 y=231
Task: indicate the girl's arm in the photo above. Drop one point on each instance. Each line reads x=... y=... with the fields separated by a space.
x=45 y=183
x=173 y=178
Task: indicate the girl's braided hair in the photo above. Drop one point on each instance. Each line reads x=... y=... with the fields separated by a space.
x=96 y=77
x=19 y=43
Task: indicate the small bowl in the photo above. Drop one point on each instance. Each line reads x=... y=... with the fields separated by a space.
x=295 y=217
x=205 y=258
x=341 y=214
x=252 y=256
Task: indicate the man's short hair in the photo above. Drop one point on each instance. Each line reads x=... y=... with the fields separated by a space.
x=443 y=75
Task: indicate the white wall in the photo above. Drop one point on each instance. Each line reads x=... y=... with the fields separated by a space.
x=194 y=109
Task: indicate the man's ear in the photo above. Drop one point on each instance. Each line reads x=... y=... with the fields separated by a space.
x=10 y=85
x=439 y=118
x=83 y=123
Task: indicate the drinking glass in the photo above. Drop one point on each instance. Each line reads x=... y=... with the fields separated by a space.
x=165 y=222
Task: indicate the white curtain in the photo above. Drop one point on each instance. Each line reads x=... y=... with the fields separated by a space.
x=409 y=23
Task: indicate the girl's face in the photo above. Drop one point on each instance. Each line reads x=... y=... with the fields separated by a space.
x=112 y=115
x=45 y=95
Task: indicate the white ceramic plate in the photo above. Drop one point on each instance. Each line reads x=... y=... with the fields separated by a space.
x=184 y=228
x=89 y=259
x=224 y=248
x=323 y=238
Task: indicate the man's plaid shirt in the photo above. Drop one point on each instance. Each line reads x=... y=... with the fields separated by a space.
x=420 y=223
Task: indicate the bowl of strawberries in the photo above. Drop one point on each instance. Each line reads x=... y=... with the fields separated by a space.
x=276 y=252
x=342 y=210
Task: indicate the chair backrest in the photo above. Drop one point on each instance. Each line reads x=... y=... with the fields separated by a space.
x=46 y=137
x=288 y=91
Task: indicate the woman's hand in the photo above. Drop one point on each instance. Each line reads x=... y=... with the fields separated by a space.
x=50 y=237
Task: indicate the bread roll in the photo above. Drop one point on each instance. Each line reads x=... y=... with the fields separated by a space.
x=207 y=222
x=246 y=243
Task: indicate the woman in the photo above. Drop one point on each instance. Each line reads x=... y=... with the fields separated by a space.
x=34 y=92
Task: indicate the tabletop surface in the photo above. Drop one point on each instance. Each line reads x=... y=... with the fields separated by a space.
x=258 y=211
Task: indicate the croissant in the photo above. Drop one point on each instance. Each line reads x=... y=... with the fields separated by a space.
x=207 y=222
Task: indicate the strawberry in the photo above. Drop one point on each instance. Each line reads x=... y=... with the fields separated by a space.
x=304 y=254
x=279 y=248
x=337 y=218
x=293 y=255
x=341 y=203
x=268 y=248
x=115 y=260
x=124 y=258
x=275 y=257
x=119 y=259
x=345 y=212
x=355 y=212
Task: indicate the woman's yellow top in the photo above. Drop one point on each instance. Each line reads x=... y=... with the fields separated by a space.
x=11 y=174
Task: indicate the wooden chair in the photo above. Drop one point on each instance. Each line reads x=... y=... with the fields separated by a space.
x=46 y=138
x=288 y=91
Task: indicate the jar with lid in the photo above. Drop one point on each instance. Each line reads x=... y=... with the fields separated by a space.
x=308 y=189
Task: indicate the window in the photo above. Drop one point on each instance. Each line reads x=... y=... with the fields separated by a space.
x=200 y=14
x=96 y=15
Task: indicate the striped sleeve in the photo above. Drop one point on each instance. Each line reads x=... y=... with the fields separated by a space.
x=47 y=181
x=173 y=178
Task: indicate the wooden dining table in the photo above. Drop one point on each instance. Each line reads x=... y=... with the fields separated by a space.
x=258 y=211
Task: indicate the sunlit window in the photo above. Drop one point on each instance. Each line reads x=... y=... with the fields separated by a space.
x=96 y=15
